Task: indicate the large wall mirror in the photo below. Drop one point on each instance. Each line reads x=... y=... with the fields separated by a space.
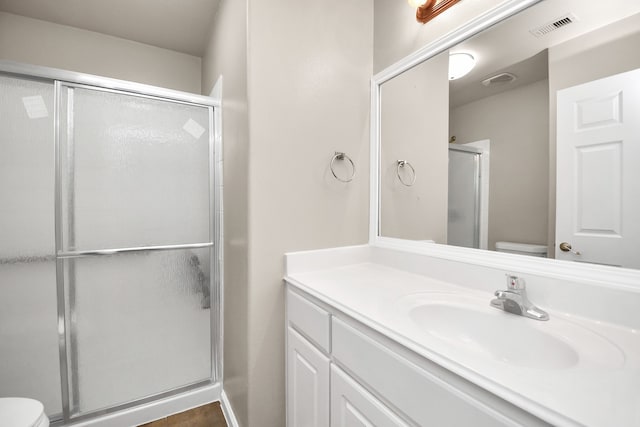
x=534 y=151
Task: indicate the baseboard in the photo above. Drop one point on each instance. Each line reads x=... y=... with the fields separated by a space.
x=156 y=409
x=228 y=411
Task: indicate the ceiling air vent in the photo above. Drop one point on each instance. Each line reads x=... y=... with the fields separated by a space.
x=501 y=78
x=559 y=22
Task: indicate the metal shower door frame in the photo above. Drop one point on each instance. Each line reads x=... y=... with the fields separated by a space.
x=61 y=79
x=476 y=153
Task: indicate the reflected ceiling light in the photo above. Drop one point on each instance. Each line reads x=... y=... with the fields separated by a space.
x=460 y=64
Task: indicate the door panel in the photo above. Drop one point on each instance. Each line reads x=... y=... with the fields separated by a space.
x=135 y=171
x=598 y=179
x=307 y=383
x=140 y=325
x=599 y=195
x=29 y=362
x=135 y=179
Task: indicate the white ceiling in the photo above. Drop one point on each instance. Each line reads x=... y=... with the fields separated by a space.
x=184 y=26
x=180 y=25
x=510 y=46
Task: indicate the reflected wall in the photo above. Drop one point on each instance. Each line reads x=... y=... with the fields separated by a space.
x=414 y=127
x=516 y=122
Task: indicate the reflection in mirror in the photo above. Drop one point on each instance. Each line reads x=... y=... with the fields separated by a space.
x=552 y=89
x=413 y=124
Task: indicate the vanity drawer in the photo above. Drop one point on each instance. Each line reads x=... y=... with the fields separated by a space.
x=310 y=320
x=419 y=394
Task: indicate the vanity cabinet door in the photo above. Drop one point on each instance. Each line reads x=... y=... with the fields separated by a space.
x=307 y=383
x=353 y=406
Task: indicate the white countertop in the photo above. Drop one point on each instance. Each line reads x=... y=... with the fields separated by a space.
x=587 y=393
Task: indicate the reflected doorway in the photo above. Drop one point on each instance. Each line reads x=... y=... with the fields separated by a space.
x=468 y=195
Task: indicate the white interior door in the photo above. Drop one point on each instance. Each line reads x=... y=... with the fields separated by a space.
x=598 y=173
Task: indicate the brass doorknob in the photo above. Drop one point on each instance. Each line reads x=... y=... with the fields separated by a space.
x=566 y=247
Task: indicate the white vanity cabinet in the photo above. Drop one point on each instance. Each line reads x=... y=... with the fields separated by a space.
x=353 y=406
x=307 y=383
x=341 y=373
x=308 y=363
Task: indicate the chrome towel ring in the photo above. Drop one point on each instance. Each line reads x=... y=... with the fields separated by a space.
x=341 y=156
x=402 y=164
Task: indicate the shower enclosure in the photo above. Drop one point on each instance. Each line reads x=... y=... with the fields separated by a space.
x=109 y=294
x=469 y=175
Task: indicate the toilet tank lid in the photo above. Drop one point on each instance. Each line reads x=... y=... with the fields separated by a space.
x=20 y=411
x=521 y=247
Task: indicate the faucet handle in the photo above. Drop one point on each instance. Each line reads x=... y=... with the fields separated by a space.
x=515 y=283
x=501 y=295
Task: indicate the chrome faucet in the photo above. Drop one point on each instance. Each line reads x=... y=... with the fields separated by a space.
x=514 y=300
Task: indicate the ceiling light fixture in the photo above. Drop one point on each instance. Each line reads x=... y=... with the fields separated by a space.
x=426 y=10
x=460 y=64
x=418 y=3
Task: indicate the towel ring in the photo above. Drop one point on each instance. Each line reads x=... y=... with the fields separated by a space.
x=341 y=156
x=402 y=164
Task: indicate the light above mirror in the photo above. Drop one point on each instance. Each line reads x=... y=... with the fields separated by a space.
x=416 y=3
x=426 y=10
x=460 y=64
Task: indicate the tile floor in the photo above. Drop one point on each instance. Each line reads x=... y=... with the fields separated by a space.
x=203 y=416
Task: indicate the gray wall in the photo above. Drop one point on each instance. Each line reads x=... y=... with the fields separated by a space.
x=516 y=122
x=295 y=90
x=309 y=70
x=226 y=55
x=37 y=42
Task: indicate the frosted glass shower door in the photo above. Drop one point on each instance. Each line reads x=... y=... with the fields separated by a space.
x=135 y=171
x=135 y=245
x=29 y=363
x=463 y=225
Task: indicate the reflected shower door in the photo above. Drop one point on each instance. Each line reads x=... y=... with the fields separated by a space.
x=463 y=227
x=134 y=248
x=29 y=363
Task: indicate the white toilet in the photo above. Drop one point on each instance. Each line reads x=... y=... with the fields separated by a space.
x=22 y=412
x=522 y=249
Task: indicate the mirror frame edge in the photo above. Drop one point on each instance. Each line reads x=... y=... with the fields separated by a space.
x=614 y=277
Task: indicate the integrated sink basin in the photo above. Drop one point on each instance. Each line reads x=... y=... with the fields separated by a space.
x=460 y=323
